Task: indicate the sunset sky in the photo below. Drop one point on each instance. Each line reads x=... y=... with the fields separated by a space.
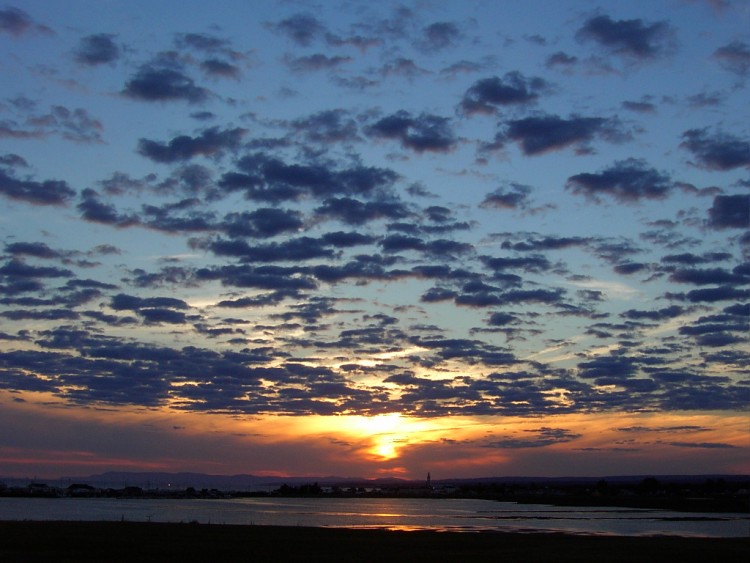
x=476 y=238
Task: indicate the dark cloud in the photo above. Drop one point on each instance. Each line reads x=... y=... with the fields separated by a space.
x=331 y=126
x=11 y=160
x=315 y=62
x=654 y=315
x=202 y=42
x=292 y=250
x=47 y=192
x=714 y=294
x=220 y=67
x=17 y=268
x=514 y=196
x=608 y=366
x=502 y=319
x=421 y=133
x=401 y=66
x=561 y=59
x=730 y=212
x=355 y=212
x=40 y=315
x=532 y=242
x=537 y=135
x=160 y=84
x=538 y=438
x=71 y=124
x=97 y=49
x=260 y=277
x=489 y=94
x=629 y=268
x=707 y=99
x=262 y=223
x=211 y=142
x=93 y=209
x=266 y=178
x=535 y=264
x=734 y=57
x=704 y=445
x=626 y=181
x=35 y=249
x=708 y=276
x=123 y=301
x=642 y=106
x=17 y=22
x=691 y=259
x=302 y=29
x=439 y=36
x=719 y=151
x=631 y=38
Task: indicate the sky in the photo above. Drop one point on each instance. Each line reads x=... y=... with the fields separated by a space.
x=375 y=239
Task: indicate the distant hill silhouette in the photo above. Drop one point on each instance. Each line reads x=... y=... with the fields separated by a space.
x=249 y=482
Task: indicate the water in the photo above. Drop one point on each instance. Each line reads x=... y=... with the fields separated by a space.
x=396 y=514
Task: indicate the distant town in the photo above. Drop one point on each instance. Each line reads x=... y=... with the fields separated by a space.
x=720 y=493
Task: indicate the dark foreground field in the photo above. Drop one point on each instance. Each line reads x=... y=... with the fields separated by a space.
x=130 y=541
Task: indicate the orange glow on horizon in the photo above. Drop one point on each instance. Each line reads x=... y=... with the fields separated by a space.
x=392 y=444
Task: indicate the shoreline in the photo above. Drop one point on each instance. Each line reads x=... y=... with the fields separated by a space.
x=34 y=540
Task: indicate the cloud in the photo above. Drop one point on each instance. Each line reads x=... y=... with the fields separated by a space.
x=94 y=210
x=644 y=106
x=16 y=268
x=537 y=135
x=730 y=212
x=562 y=60
x=626 y=181
x=329 y=126
x=160 y=84
x=74 y=125
x=261 y=223
x=719 y=151
x=703 y=445
x=631 y=38
x=514 y=196
x=291 y=250
x=538 y=438
x=97 y=49
x=260 y=277
x=219 y=67
x=438 y=36
x=17 y=22
x=315 y=62
x=202 y=42
x=302 y=29
x=211 y=142
x=401 y=66
x=154 y=310
x=421 y=133
x=222 y=58
x=734 y=57
x=267 y=178
x=714 y=294
x=35 y=249
x=47 y=192
x=707 y=276
x=489 y=94
x=691 y=259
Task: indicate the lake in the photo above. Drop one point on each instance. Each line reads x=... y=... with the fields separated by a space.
x=467 y=515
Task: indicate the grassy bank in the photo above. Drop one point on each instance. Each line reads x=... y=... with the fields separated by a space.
x=129 y=541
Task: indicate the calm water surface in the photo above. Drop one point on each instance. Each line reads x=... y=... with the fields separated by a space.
x=396 y=514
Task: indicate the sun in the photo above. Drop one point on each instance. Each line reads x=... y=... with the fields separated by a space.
x=384 y=432
x=385 y=449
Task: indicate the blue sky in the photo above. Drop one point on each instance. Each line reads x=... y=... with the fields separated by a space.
x=477 y=238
